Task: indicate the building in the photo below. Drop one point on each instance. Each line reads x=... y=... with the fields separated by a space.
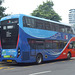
x=72 y=17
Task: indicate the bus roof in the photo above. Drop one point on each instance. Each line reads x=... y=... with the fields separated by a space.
x=10 y=17
x=18 y=15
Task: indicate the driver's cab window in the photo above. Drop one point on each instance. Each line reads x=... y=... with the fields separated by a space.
x=72 y=45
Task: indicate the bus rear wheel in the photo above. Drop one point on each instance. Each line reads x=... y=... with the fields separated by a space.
x=39 y=59
x=68 y=55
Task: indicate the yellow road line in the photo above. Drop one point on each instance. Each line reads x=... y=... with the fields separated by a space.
x=2 y=68
x=27 y=67
x=71 y=60
x=9 y=69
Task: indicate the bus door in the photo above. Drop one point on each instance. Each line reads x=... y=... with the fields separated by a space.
x=32 y=51
x=32 y=47
x=72 y=48
x=73 y=51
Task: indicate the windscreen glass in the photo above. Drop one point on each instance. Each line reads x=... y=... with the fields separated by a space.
x=9 y=34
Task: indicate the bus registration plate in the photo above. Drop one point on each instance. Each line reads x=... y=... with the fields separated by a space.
x=9 y=60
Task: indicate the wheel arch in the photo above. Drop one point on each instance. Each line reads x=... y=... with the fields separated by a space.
x=40 y=54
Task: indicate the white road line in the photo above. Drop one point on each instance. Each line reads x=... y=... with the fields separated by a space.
x=40 y=73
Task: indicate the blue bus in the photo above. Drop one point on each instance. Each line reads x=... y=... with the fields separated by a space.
x=27 y=39
x=0 y=38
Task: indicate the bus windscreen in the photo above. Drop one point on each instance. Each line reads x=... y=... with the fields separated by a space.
x=9 y=36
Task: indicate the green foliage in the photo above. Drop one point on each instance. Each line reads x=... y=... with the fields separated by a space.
x=2 y=9
x=46 y=11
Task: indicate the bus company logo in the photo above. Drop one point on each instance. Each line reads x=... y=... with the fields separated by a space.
x=66 y=37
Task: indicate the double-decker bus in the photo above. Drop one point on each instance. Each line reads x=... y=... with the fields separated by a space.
x=26 y=39
x=0 y=38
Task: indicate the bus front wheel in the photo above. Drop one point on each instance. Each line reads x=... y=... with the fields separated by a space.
x=68 y=55
x=39 y=59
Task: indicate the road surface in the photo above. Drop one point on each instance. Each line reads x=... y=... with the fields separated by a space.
x=60 y=67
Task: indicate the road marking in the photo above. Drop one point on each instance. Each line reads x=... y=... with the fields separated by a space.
x=6 y=68
x=9 y=69
x=2 y=68
x=40 y=73
x=71 y=60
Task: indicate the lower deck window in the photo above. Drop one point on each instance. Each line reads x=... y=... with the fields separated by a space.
x=46 y=44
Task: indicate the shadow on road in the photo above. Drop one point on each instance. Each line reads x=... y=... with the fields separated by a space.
x=32 y=64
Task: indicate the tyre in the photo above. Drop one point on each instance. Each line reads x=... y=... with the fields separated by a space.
x=68 y=55
x=39 y=59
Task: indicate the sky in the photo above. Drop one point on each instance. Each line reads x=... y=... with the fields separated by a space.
x=61 y=7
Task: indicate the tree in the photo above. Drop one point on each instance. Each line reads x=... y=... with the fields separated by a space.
x=46 y=11
x=2 y=9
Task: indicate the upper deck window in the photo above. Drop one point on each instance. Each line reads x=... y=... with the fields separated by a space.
x=28 y=22
x=39 y=24
x=46 y=25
